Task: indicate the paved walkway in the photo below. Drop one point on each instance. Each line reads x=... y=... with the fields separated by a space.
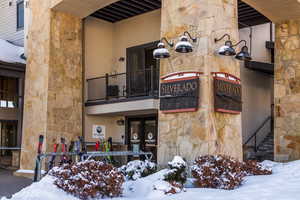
x=10 y=184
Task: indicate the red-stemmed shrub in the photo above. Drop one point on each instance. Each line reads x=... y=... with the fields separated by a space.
x=223 y=172
x=89 y=179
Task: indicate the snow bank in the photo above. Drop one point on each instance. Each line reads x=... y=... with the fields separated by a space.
x=10 y=53
x=283 y=184
x=137 y=168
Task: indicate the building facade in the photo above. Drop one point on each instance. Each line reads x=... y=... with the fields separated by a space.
x=12 y=21
x=95 y=68
x=12 y=77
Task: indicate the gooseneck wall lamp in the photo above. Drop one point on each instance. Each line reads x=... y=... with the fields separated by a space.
x=184 y=46
x=228 y=49
x=161 y=51
x=244 y=53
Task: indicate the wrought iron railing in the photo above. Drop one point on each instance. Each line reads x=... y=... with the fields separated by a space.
x=9 y=100
x=261 y=132
x=124 y=85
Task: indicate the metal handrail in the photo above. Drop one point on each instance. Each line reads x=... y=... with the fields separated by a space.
x=109 y=75
x=126 y=88
x=116 y=74
x=254 y=135
x=9 y=97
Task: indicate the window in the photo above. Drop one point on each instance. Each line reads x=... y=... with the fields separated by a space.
x=20 y=15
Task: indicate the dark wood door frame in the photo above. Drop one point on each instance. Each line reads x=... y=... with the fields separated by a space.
x=129 y=51
x=142 y=118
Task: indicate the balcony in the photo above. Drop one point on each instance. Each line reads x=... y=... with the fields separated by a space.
x=9 y=104
x=124 y=93
x=8 y=100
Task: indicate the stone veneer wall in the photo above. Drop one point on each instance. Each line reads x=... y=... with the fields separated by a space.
x=287 y=91
x=202 y=132
x=53 y=91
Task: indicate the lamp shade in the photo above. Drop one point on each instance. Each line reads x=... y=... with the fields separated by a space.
x=183 y=46
x=161 y=52
x=227 y=49
x=243 y=54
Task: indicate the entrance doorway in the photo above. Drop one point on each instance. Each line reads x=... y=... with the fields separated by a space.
x=142 y=135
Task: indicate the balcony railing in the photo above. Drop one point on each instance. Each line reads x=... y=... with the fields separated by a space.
x=8 y=100
x=139 y=83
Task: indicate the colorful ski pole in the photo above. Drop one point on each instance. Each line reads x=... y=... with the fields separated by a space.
x=37 y=170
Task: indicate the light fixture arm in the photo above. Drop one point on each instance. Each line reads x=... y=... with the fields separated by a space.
x=171 y=44
x=225 y=35
x=240 y=43
x=193 y=39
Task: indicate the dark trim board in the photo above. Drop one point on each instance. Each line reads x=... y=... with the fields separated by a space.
x=267 y=68
x=13 y=66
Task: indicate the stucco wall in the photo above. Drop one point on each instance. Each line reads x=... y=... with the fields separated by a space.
x=257 y=95
x=257 y=99
x=105 y=43
x=8 y=23
x=135 y=31
x=260 y=34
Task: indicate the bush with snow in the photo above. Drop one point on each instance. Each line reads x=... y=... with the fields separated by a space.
x=137 y=168
x=176 y=175
x=254 y=168
x=89 y=179
x=223 y=172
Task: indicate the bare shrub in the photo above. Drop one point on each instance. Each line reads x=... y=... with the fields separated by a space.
x=224 y=172
x=89 y=179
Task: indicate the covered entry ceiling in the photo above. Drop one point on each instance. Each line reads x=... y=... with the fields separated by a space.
x=124 y=9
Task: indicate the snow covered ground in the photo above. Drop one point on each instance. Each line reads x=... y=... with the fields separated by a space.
x=284 y=184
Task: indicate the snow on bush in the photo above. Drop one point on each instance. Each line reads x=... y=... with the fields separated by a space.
x=176 y=175
x=223 y=172
x=137 y=168
x=90 y=179
x=253 y=168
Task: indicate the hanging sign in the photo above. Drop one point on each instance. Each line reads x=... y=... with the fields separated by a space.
x=99 y=132
x=227 y=93
x=179 y=92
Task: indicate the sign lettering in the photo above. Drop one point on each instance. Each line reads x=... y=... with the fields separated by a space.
x=179 y=95
x=228 y=96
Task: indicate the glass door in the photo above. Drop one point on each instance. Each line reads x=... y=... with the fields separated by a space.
x=142 y=70
x=135 y=72
x=142 y=134
x=150 y=137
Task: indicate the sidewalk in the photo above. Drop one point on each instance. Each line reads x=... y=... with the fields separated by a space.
x=10 y=184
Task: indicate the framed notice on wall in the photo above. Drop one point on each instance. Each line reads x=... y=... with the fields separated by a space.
x=99 y=132
x=179 y=92
x=227 y=93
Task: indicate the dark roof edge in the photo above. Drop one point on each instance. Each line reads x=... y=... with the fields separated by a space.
x=12 y=66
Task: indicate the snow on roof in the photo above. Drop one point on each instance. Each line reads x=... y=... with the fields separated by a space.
x=11 y=53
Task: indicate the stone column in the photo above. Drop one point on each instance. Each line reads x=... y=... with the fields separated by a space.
x=205 y=131
x=53 y=88
x=287 y=91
